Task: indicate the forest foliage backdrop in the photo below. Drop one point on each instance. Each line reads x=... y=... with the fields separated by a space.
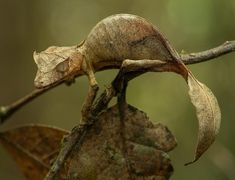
x=189 y=25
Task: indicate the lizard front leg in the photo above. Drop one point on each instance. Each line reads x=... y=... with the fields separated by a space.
x=92 y=92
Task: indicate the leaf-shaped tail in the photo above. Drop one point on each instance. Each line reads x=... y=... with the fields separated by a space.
x=208 y=114
x=207 y=109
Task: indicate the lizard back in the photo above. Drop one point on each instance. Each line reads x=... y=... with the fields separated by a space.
x=125 y=36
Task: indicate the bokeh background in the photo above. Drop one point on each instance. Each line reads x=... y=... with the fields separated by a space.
x=191 y=26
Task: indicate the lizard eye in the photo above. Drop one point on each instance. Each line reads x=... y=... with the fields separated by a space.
x=63 y=66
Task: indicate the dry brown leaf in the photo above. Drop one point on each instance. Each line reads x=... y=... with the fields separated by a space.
x=33 y=147
x=101 y=154
x=208 y=114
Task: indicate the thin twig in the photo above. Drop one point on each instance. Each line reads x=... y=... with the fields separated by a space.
x=7 y=111
x=192 y=58
x=76 y=137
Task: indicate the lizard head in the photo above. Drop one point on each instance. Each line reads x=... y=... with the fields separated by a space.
x=57 y=64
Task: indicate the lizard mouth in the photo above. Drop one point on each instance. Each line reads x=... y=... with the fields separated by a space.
x=44 y=80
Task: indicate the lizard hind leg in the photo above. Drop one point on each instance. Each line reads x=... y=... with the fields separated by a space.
x=120 y=85
x=133 y=68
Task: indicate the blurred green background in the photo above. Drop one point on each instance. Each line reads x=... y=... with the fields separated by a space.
x=192 y=26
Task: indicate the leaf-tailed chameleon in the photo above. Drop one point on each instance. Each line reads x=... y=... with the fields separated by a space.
x=113 y=40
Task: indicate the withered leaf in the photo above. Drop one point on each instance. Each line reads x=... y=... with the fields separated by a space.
x=101 y=155
x=208 y=114
x=33 y=147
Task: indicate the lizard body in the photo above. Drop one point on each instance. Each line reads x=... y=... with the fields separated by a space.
x=113 y=40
